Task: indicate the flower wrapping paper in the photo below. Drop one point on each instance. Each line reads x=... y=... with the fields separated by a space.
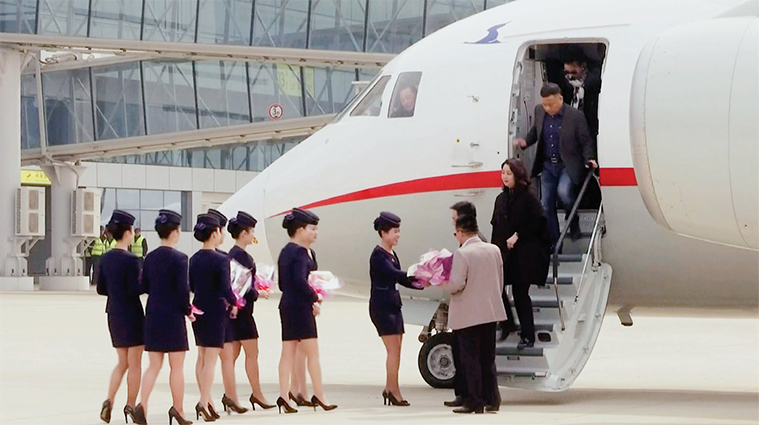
x=324 y=282
x=242 y=280
x=434 y=267
x=264 y=277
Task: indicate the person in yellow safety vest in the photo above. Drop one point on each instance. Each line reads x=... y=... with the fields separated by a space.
x=96 y=250
x=110 y=242
x=139 y=246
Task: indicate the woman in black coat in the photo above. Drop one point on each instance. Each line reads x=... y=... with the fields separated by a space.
x=164 y=279
x=385 y=300
x=299 y=306
x=210 y=282
x=119 y=280
x=242 y=332
x=519 y=229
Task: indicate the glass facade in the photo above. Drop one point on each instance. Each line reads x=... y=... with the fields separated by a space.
x=224 y=22
x=116 y=19
x=443 y=12
x=64 y=17
x=222 y=93
x=337 y=25
x=18 y=16
x=118 y=101
x=394 y=25
x=163 y=96
x=169 y=88
x=144 y=205
x=68 y=107
x=169 y=20
x=30 y=123
x=354 y=25
x=254 y=156
x=280 y=23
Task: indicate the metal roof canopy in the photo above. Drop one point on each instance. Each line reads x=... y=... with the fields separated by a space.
x=268 y=130
x=143 y=50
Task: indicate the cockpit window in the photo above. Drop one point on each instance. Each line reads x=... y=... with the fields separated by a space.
x=371 y=104
x=403 y=101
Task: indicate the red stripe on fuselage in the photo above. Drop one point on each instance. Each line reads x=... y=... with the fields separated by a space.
x=617 y=177
x=479 y=180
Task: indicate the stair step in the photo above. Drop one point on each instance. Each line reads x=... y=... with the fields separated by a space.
x=520 y=365
x=510 y=376
x=568 y=258
x=510 y=350
x=562 y=280
x=544 y=339
x=547 y=291
x=546 y=316
x=549 y=303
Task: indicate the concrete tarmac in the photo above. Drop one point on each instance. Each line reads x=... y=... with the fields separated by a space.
x=56 y=358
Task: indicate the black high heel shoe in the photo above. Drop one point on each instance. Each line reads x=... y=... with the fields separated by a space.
x=384 y=397
x=316 y=402
x=200 y=410
x=173 y=414
x=105 y=411
x=230 y=406
x=212 y=411
x=282 y=404
x=392 y=401
x=137 y=418
x=138 y=415
x=300 y=400
x=254 y=400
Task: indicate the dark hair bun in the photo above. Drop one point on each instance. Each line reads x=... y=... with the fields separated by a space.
x=288 y=220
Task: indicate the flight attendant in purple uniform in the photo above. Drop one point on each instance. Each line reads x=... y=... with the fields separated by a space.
x=164 y=279
x=299 y=306
x=385 y=300
x=242 y=332
x=210 y=282
x=119 y=280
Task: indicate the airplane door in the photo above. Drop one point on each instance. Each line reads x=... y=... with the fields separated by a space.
x=466 y=152
x=525 y=94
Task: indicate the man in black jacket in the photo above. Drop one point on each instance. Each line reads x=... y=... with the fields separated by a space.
x=564 y=152
x=582 y=88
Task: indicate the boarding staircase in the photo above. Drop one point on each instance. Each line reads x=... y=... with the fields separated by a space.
x=568 y=310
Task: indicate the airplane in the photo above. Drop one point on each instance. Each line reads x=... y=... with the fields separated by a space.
x=677 y=225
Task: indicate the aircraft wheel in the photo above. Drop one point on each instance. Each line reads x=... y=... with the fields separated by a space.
x=436 y=360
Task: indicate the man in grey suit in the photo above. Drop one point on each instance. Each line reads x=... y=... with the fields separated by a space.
x=564 y=152
x=476 y=285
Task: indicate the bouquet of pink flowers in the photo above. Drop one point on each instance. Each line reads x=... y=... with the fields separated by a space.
x=264 y=278
x=323 y=282
x=434 y=267
x=242 y=280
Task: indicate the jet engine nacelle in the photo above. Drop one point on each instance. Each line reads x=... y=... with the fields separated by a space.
x=695 y=130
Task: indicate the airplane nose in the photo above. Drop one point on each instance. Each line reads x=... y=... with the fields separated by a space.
x=251 y=199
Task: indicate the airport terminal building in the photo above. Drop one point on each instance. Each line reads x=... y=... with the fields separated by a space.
x=152 y=104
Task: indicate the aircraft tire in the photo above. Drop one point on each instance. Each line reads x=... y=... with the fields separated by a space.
x=436 y=360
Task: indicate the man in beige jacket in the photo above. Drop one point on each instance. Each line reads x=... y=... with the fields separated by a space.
x=476 y=284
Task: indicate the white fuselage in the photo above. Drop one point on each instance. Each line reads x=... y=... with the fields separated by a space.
x=453 y=147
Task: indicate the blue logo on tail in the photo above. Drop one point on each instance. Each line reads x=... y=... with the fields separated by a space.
x=491 y=38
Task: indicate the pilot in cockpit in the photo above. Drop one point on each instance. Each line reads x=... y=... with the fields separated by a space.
x=405 y=102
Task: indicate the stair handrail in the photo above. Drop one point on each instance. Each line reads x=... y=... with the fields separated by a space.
x=592 y=248
x=556 y=248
